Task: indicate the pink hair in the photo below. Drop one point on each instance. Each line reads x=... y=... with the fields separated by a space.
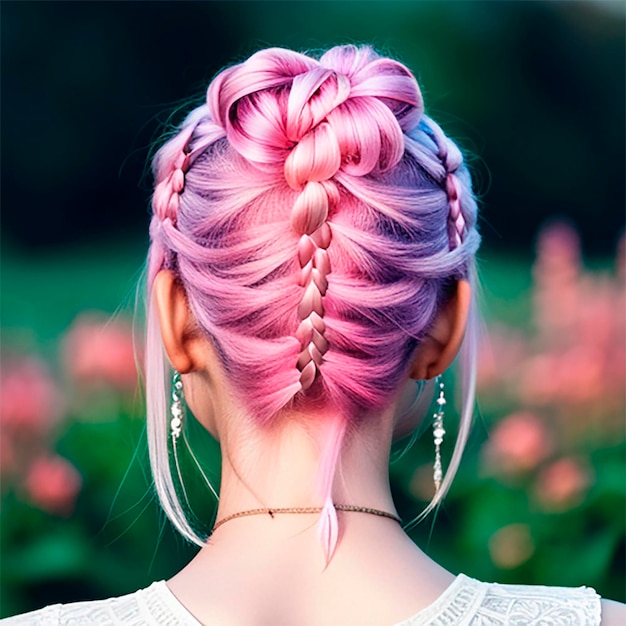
x=317 y=220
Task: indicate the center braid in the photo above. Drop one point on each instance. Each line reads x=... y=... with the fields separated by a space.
x=309 y=166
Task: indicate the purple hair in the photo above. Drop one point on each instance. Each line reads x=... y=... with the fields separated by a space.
x=317 y=219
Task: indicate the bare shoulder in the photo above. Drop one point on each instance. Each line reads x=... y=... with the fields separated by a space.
x=613 y=613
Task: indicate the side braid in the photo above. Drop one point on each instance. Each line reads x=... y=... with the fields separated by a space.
x=172 y=165
x=456 y=220
x=166 y=197
x=452 y=159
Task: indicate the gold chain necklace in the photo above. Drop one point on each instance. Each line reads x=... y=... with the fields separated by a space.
x=306 y=510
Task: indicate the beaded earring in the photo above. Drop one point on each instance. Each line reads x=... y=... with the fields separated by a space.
x=177 y=407
x=438 y=433
x=176 y=428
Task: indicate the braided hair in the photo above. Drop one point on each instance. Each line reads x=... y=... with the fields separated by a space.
x=315 y=217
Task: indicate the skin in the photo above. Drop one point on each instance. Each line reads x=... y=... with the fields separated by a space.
x=260 y=570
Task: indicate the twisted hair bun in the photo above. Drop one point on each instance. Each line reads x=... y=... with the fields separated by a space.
x=269 y=104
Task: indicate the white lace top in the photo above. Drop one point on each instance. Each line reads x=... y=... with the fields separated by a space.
x=467 y=602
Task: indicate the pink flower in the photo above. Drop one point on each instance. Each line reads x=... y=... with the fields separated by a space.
x=570 y=376
x=580 y=374
x=500 y=352
x=517 y=444
x=100 y=351
x=511 y=546
x=52 y=484
x=558 y=244
x=556 y=272
x=538 y=380
x=563 y=484
x=30 y=402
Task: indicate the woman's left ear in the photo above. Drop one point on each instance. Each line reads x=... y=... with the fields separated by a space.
x=440 y=346
x=178 y=326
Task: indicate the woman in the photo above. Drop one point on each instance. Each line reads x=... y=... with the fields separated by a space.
x=312 y=256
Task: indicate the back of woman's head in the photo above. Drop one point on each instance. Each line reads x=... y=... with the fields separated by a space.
x=317 y=220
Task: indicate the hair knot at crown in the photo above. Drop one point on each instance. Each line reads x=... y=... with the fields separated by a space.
x=312 y=97
x=276 y=101
x=316 y=158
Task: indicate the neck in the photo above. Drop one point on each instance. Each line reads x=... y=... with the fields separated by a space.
x=267 y=559
x=280 y=469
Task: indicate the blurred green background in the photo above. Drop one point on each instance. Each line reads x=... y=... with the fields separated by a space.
x=533 y=90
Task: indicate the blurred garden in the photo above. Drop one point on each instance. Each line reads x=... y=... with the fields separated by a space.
x=533 y=90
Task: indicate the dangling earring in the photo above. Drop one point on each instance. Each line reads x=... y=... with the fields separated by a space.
x=438 y=433
x=176 y=427
x=177 y=407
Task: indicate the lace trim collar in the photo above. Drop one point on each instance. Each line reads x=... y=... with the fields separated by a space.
x=464 y=600
x=159 y=590
x=460 y=599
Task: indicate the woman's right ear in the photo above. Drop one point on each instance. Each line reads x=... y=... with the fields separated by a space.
x=440 y=346
x=176 y=321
